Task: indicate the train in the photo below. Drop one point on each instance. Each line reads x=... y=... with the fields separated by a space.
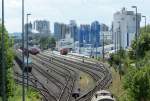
x=33 y=51
x=18 y=58
x=64 y=51
x=103 y=95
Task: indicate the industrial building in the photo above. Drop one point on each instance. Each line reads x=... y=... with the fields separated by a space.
x=124 y=28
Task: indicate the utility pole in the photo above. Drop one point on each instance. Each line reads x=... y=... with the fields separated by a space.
x=4 y=94
x=136 y=36
x=127 y=37
x=96 y=49
x=103 y=47
x=23 y=65
x=27 y=42
x=145 y=22
x=119 y=37
x=115 y=37
x=120 y=47
x=117 y=41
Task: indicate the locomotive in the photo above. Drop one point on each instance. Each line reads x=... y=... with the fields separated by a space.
x=34 y=51
x=18 y=58
x=64 y=51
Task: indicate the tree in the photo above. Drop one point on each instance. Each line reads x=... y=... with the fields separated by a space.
x=52 y=42
x=47 y=42
x=43 y=42
x=137 y=80
x=137 y=84
x=142 y=46
x=117 y=60
x=8 y=60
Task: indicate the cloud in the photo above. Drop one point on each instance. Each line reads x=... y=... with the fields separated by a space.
x=83 y=11
x=13 y=4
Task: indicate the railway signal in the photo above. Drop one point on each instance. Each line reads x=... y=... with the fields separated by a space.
x=136 y=35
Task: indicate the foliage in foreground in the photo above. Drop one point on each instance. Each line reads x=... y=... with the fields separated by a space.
x=137 y=84
x=16 y=90
x=136 y=81
x=13 y=92
x=142 y=46
x=8 y=61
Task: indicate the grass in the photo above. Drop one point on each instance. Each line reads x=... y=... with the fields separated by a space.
x=116 y=88
x=31 y=94
x=15 y=93
x=86 y=82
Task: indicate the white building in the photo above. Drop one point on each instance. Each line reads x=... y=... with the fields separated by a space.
x=107 y=35
x=124 y=28
x=67 y=42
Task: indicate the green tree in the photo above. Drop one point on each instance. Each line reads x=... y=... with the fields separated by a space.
x=137 y=84
x=43 y=42
x=52 y=42
x=117 y=60
x=142 y=30
x=8 y=60
x=142 y=46
x=137 y=80
x=47 y=42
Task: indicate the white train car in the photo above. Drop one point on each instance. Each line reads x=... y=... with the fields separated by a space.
x=103 y=95
x=18 y=58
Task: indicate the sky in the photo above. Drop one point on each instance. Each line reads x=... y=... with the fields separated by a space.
x=83 y=11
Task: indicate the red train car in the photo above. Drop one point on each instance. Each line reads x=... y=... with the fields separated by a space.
x=34 y=51
x=64 y=51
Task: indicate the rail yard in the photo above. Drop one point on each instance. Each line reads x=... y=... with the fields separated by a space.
x=62 y=77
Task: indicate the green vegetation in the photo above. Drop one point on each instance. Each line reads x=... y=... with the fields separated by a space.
x=119 y=61
x=47 y=42
x=86 y=82
x=8 y=61
x=13 y=91
x=16 y=90
x=142 y=46
x=135 y=82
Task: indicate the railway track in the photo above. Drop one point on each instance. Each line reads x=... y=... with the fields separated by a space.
x=65 y=88
x=33 y=82
x=101 y=84
x=52 y=68
x=76 y=65
x=84 y=59
x=49 y=78
x=69 y=85
x=60 y=72
x=93 y=66
x=72 y=65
